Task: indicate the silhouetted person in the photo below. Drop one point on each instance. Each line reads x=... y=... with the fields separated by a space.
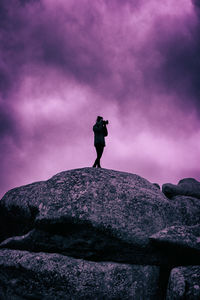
x=100 y=131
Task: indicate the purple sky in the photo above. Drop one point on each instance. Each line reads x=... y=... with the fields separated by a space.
x=135 y=62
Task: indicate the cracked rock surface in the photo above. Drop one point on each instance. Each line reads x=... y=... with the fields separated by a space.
x=184 y=283
x=54 y=276
x=94 y=221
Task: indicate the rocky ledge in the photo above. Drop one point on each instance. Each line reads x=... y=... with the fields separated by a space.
x=99 y=234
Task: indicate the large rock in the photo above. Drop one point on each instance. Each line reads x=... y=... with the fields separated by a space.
x=184 y=283
x=25 y=275
x=185 y=187
x=116 y=202
x=182 y=240
x=95 y=214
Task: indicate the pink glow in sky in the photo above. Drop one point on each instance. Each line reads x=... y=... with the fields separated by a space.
x=134 y=62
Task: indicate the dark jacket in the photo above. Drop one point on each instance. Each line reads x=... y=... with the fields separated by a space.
x=100 y=131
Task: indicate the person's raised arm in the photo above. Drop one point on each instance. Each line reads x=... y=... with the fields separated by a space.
x=105 y=130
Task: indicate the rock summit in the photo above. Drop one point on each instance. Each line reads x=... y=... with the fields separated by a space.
x=95 y=233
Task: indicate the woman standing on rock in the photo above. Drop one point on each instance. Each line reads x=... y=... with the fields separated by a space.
x=100 y=131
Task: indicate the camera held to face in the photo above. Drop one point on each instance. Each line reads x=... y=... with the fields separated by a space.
x=105 y=122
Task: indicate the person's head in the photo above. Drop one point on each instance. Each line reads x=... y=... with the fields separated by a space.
x=99 y=119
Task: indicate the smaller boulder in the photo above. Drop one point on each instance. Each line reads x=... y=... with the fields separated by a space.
x=184 y=283
x=156 y=185
x=185 y=187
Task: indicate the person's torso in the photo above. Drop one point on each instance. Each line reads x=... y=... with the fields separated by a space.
x=99 y=134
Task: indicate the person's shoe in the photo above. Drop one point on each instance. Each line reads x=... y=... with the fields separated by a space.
x=95 y=164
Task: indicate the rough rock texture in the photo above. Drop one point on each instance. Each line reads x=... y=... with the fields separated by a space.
x=95 y=214
x=181 y=236
x=183 y=240
x=52 y=276
x=156 y=185
x=185 y=187
x=187 y=207
x=101 y=216
x=184 y=283
x=123 y=204
x=120 y=203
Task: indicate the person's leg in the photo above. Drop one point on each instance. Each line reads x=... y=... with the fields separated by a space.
x=99 y=155
x=99 y=150
x=96 y=161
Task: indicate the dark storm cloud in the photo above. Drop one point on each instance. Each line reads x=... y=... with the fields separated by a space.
x=168 y=59
x=70 y=41
x=196 y=3
x=33 y=35
x=7 y=123
x=179 y=71
x=71 y=55
x=24 y=2
x=12 y=46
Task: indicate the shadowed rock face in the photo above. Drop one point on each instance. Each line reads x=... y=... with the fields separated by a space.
x=96 y=215
x=184 y=283
x=185 y=187
x=183 y=240
x=54 y=276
